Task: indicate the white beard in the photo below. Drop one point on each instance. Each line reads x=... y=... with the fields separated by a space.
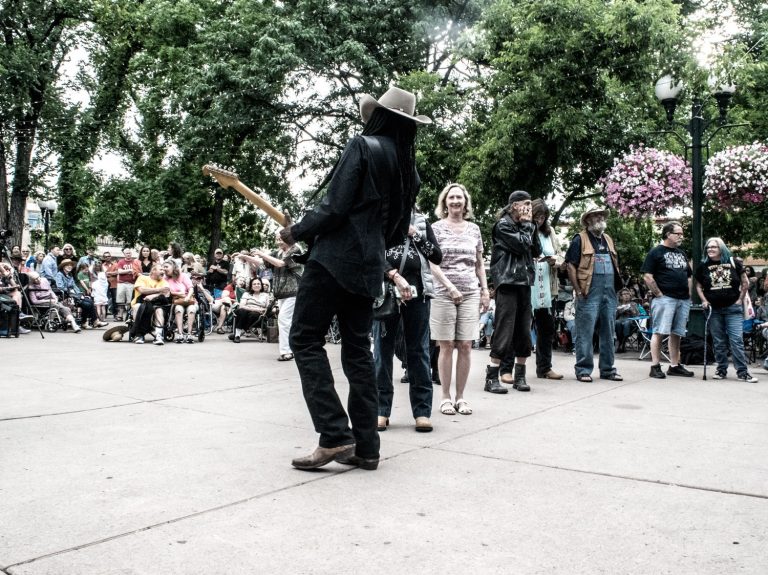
x=598 y=228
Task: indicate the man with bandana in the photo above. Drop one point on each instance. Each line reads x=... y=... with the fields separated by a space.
x=593 y=268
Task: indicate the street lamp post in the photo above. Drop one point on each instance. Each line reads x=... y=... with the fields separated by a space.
x=46 y=209
x=668 y=91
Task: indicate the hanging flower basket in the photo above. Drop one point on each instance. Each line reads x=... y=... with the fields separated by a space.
x=646 y=182
x=738 y=176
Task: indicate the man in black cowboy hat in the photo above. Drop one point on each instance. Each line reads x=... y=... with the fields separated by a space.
x=367 y=208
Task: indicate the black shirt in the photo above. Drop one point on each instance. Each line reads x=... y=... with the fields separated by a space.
x=218 y=279
x=720 y=281
x=670 y=270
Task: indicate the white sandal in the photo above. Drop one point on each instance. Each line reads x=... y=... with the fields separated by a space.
x=463 y=407
x=447 y=408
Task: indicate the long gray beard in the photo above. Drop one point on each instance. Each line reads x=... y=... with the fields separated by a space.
x=598 y=228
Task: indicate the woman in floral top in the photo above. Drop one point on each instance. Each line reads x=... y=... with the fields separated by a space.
x=461 y=291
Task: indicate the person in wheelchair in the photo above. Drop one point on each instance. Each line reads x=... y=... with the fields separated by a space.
x=151 y=298
x=253 y=305
x=65 y=282
x=41 y=294
x=203 y=297
x=183 y=299
x=223 y=304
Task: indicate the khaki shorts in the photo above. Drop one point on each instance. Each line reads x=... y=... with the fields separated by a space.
x=124 y=293
x=451 y=322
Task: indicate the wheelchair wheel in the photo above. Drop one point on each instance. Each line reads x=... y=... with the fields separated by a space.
x=51 y=323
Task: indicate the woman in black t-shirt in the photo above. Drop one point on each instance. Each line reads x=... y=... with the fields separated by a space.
x=722 y=283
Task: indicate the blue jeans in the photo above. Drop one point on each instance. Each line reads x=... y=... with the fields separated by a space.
x=599 y=305
x=726 y=326
x=415 y=314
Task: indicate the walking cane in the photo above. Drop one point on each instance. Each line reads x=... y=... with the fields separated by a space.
x=706 y=325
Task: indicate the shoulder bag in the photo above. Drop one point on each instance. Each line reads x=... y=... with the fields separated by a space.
x=387 y=305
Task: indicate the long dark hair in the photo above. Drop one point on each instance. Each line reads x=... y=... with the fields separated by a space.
x=539 y=208
x=397 y=208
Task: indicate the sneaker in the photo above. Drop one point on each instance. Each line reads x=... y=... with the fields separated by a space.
x=24 y=330
x=101 y=324
x=188 y=339
x=679 y=370
x=719 y=375
x=23 y=315
x=159 y=340
x=656 y=372
x=179 y=338
x=746 y=377
x=139 y=340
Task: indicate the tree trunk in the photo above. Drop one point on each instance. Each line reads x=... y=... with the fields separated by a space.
x=3 y=186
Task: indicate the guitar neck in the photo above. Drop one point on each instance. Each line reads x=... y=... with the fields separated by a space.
x=259 y=202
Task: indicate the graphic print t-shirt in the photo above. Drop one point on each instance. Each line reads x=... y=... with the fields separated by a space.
x=720 y=282
x=669 y=268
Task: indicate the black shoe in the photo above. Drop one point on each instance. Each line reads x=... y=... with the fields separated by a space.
x=492 y=384
x=656 y=372
x=404 y=379
x=679 y=370
x=520 y=384
x=369 y=464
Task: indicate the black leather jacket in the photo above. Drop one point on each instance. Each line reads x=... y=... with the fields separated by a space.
x=514 y=247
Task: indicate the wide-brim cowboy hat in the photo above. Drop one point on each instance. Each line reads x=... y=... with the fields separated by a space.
x=65 y=263
x=395 y=100
x=591 y=211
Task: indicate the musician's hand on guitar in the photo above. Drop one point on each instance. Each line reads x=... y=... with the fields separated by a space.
x=286 y=236
x=288 y=218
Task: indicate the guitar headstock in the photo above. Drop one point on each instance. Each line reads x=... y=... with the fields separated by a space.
x=225 y=178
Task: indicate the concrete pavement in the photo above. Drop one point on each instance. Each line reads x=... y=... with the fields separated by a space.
x=126 y=459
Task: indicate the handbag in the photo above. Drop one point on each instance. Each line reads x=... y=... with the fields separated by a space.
x=387 y=305
x=182 y=301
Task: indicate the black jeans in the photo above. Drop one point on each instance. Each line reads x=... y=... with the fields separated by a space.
x=512 y=334
x=319 y=298
x=545 y=333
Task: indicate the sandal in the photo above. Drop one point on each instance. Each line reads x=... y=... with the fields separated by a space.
x=447 y=408
x=463 y=407
x=584 y=378
x=285 y=357
x=219 y=330
x=612 y=377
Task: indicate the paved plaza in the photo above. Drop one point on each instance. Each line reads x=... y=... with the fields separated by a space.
x=124 y=459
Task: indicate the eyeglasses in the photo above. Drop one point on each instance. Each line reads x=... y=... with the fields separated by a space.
x=678 y=234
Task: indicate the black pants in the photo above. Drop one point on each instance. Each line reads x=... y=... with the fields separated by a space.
x=319 y=298
x=545 y=333
x=512 y=332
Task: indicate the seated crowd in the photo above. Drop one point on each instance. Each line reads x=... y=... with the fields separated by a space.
x=85 y=290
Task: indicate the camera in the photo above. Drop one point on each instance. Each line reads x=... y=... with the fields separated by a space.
x=5 y=234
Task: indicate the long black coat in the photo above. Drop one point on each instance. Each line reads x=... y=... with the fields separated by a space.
x=348 y=226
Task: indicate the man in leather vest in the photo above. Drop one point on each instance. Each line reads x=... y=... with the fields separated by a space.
x=367 y=208
x=515 y=244
x=593 y=269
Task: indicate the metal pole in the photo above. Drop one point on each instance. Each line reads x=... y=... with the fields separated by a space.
x=696 y=321
x=47 y=224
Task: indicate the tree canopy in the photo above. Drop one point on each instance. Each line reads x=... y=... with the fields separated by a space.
x=525 y=95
